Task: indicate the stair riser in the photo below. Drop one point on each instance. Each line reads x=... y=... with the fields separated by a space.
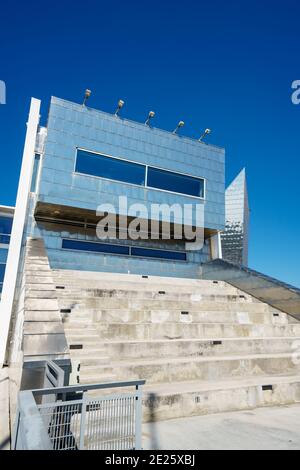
x=92 y=362
x=142 y=287
x=219 y=401
x=115 y=304
x=210 y=294
x=211 y=370
x=195 y=331
x=92 y=342
x=87 y=353
x=94 y=278
x=162 y=316
x=197 y=349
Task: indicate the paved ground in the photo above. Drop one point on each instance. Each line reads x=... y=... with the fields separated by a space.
x=263 y=428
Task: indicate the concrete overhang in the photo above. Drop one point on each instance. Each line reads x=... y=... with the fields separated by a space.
x=88 y=219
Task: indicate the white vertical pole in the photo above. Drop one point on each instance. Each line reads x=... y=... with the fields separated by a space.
x=11 y=272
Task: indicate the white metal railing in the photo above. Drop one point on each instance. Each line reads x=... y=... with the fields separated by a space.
x=75 y=420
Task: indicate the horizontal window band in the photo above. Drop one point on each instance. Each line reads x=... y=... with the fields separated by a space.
x=95 y=247
x=107 y=248
x=125 y=171
x=163 y=254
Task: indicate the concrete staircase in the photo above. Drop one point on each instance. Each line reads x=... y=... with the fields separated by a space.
x=202 y=346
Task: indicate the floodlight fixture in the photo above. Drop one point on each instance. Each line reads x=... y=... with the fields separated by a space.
x=120 y=106
x=205 y=133
x=179 y=125
x=87 y=94
x=150 y=116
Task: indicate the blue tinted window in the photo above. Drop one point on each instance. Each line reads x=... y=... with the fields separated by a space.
x=4 y=239
x=3 y=255
x=123 y=250
x=149 y=253
x=95 y=247
x=175 y=182
x=98 y=165
x=35 y=172
x=2 y=271
x=5 y=225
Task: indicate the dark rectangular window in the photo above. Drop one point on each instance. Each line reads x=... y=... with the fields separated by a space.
x=5 y=239
x=5 y=225
x=95 y=247
x=98 y=247
x=163 y=254
x=175 y=182
x=112 y=168
x=35 y=171
x=2 y=271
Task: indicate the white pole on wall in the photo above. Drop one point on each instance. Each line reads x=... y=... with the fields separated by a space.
x=11 y=272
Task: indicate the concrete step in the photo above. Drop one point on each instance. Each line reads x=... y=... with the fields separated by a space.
x=76 y=327
x=190 y=316
x=76 y=286
x=192 y=398
x=85 y=340
x=194 y=368
x=138 y=331
x=200 y=347
x=92 y=362
x=151 y=294
x=90 y=276
x=178 y=298
x=89 y=351
x=126 y=304
x=96 y=379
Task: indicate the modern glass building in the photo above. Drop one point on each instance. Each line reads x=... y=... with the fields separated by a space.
x=89 y=158
x=6 y=220
x=89 y=172
x=236 y=234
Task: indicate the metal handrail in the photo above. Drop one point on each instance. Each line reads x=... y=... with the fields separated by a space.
x=48 y=426
x=273 y=292
x=85 y=388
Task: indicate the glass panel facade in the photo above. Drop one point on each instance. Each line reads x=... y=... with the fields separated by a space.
x=2 y=271
x=120 y=170
x=5 y=231
x=175 y=182
x=35 y=172
x=3 y=255
x=163 y=254
x=5 y=225
x=95 y=247
x=92 y=164
x=123 y=250
x=235 y=236
x=4 y=239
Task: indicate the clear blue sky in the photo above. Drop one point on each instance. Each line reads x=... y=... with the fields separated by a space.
x=227 y=65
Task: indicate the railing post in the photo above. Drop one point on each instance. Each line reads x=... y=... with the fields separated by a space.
x=31 y=429
x=138 y=418
x=83 y=421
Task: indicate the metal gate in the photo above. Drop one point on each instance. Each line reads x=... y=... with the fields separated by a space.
x=107 y=422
